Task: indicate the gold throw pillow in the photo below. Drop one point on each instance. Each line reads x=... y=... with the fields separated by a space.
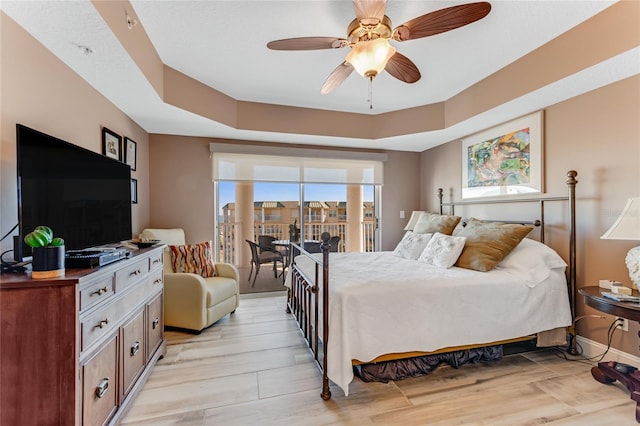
x=488 y=243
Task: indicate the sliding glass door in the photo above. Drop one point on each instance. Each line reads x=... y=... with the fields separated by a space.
x=263 y=193
x=247 y=210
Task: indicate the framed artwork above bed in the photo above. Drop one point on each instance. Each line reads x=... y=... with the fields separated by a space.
x=505 y=160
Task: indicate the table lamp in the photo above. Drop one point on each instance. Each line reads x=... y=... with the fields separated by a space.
x=627 y=227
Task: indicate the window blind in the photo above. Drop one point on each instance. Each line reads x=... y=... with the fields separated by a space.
x=295 y=169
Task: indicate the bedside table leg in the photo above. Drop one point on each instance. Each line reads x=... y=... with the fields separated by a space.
x=600 y=376
x=605 y=372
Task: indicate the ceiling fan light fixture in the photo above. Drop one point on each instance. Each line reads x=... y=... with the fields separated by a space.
x=369 y=58
x=368 y=36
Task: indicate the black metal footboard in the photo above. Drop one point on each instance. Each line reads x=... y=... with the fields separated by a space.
x=309 y=303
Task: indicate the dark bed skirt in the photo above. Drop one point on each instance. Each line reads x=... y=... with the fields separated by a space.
x=411 y=367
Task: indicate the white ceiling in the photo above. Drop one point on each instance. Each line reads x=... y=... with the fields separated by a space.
x=223 y=45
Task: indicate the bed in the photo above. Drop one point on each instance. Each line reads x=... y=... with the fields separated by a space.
x=351 y=306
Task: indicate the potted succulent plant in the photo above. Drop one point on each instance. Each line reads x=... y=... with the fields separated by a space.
x=48 y=253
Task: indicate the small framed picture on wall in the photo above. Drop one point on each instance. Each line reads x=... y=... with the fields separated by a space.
x=130 y=152
x=111 y=144
x=134 y=191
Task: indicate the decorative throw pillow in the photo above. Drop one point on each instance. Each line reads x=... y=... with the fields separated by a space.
x=193 y=258
x=412 y=245
x=430 y=222
x=488 y=243
x=415 y=215
x=442 y=250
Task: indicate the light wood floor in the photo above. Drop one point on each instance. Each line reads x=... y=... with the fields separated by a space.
x=253 y=368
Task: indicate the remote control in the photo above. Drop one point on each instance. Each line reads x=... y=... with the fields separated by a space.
x=621 y=297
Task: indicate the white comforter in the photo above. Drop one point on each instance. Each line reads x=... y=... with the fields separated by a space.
x=381 y=303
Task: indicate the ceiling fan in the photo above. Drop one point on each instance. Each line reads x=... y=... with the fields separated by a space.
x=368 y=37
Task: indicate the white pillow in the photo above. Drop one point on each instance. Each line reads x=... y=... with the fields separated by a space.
x=412 y=245
x=442 y=250
x=533 y=258
x=415 y=215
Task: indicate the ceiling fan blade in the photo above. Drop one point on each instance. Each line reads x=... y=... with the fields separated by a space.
x=369 y=12
x=336 y=78
x=441 y=21
x=402 y=68
x=307 y=43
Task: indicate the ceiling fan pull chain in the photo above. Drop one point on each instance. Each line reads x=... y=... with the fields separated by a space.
x=370 y=92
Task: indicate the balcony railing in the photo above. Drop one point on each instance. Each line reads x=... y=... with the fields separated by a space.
x=267 y=217
x=227 y=231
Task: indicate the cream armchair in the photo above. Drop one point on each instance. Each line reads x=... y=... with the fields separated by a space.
x=191 y=301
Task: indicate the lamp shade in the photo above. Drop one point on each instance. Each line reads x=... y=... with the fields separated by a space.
x=627 y=226
x=370 y=57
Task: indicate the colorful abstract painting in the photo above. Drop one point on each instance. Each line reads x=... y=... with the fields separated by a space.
x=504 y=160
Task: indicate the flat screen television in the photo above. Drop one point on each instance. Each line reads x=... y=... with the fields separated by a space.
x=83 y=196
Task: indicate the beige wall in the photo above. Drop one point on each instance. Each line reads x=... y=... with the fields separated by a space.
x=41 y=92
x=400 y=192
x=598 y=135
x=182 y=190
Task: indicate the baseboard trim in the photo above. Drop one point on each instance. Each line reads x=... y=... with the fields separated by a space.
x=591 y=349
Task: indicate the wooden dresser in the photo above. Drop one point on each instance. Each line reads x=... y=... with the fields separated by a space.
x=76 y=349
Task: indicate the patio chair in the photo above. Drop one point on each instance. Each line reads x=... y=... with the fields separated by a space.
x=267 y=256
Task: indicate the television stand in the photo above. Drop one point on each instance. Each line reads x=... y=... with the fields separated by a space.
x=77 y=349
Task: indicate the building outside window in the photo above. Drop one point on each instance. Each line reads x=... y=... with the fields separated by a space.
x=274 y=218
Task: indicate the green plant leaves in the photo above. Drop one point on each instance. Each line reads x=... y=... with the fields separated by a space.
x=42 y=236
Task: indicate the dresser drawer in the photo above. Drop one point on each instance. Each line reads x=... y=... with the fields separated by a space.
x=155 y=323
x=155 y=260
x=99 y=323
x=133 y=352
x=96 y=292
x=130 y=274
x=100 y=385
x=156 y=280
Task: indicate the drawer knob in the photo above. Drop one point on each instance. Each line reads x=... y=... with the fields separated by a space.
x=102 y=323
x=136 y=272
x=102 y=388
x=155 y=261
x=100 y=291
x=155 y=323
x=135 y=348
x=158 y=281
